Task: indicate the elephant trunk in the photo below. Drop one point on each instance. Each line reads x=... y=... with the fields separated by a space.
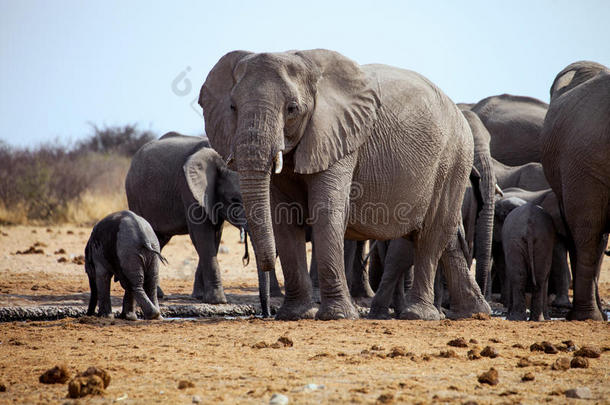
x=259 y=141
x=255 y=193
x=484 y=224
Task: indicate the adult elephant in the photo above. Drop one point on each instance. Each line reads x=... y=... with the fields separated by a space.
x=328 y=122
x=529 y=176
x=575 y=155
x=514 y=123
x=180 y=185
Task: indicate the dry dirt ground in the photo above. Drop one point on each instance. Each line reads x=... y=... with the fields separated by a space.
x=242 y=361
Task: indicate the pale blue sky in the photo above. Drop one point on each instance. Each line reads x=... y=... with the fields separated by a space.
x=66 y=63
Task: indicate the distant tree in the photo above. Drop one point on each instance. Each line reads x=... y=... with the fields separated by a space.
x=123 y=140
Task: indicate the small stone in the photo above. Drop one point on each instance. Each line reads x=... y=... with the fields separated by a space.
x=458 y=342
x=490 y=352
x=55 y=375
x=489 y=377
x=183 y=384
x=397 y=351
x=376 y=348
x=524 y=362
x=549 y=348
x=196 y=399
x=447 y=354
x=313 y=387
x=260 y=345
x=223 y=249
x=536 y=347
x=473 y=341
x=62 y=260
x=81 y=386
x=278 y=399
x=385 y=399
x=588 y=351
x=579 y=362
x=518 y=346
x=562 y=363
x=474 y=354
x=2 y=387
x=579 y=392
x=528 y=377
x=285 y=341
x=495 y=340
x=60 y=251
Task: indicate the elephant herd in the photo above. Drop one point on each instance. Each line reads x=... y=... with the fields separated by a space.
x=309 y=146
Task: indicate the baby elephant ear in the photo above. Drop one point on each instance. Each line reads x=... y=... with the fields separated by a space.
x=345 y=109
x=215 y=100
x=201 y=171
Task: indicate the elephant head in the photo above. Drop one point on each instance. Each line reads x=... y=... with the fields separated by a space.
x=314 y=107
x=215 y=187
x=573 y=75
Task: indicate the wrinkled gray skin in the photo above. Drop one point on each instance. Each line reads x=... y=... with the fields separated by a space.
x=528 y=239
x=181 y=185
x=529 y=176
x=575 y=156
x=393 y=264
x=560 y=272
x=514 y=123
x=336 y=123
x=123 y=245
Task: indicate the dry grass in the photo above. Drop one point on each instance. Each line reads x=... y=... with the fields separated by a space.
x=54 y=184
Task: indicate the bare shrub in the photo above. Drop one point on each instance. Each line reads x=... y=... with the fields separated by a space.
x=56 y=183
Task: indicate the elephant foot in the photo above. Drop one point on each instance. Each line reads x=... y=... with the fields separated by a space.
x=155 y=314
x=420 y=310
x=160 y=293
x=215 y=296
x=337 y=309
x=108 y=315
x=537 y=317
x=562 y=301
x=467 y=311
x=379 y=313
x=516 y=316
x=293 y=310
x=129 y=316
x=581 y=315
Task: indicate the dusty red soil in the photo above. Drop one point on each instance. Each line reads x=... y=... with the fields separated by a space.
x=240 y=361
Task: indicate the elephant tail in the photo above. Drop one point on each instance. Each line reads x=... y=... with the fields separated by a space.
x=149 y=246
x=90 y=270
x=530 y=253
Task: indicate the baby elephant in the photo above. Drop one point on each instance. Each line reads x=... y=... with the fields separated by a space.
x=124 y=245
x=528 y=237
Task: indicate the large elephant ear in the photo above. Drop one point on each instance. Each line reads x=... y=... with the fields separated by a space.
x=201 y=171
x=215 y=100
x=344 y=111
x=573 y=75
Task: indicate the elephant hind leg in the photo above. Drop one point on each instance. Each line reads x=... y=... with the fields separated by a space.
x=465 y=295
x=587 y=230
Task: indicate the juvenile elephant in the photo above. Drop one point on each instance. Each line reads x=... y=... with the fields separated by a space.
x=321 y=122
x=514 y=123
x=181 y=185
x=575 y=156
x=560 y=271
x=123 y=245
x=528 y=239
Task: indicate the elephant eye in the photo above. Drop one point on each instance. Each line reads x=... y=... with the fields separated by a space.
x=292 y=108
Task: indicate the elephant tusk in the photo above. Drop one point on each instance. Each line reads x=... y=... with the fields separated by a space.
x=499 y=191
x=279 y=162
x=229 y=159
